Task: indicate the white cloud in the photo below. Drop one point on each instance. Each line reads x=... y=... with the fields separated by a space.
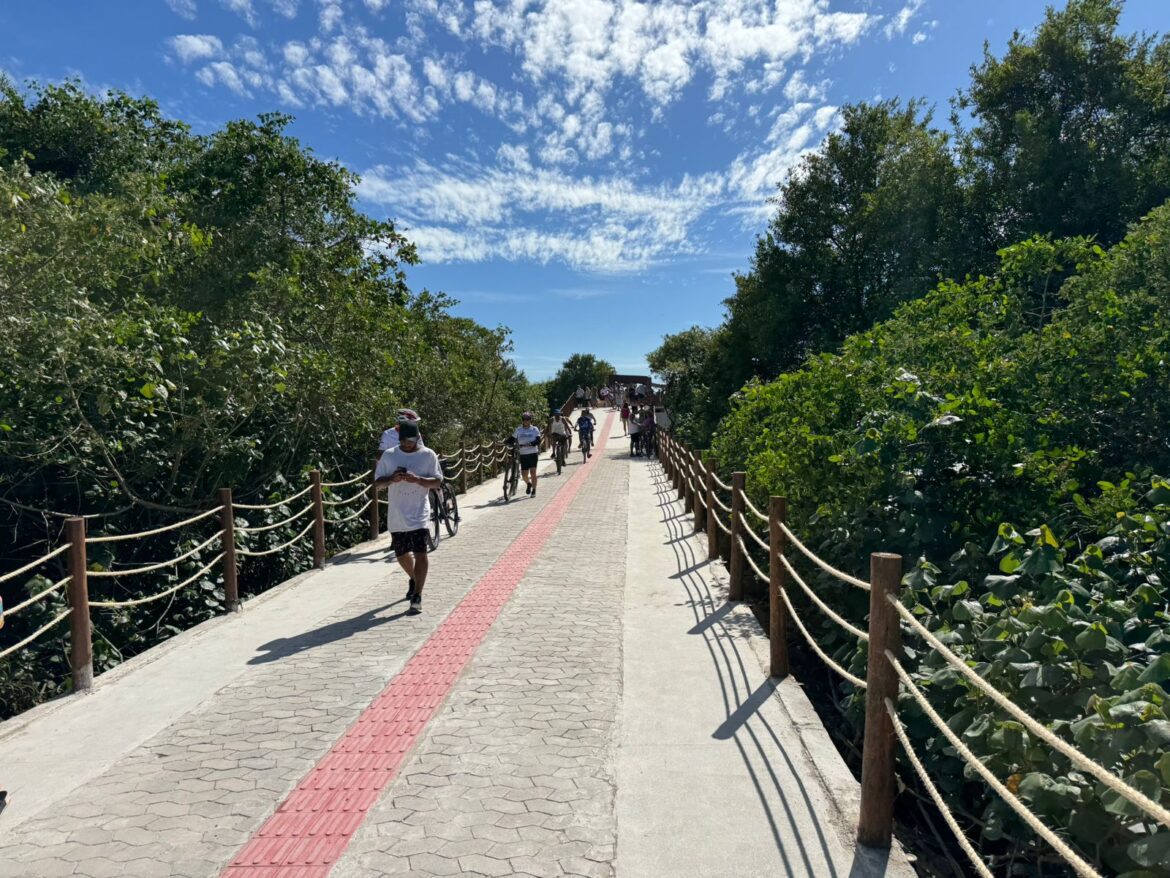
x=182 y=8
x=287 y=8
x=192 y=47
x=330 y=15
x=898 y=24
x=222 y=73
x=919 y=37
x=242 y=8
x=462 y=212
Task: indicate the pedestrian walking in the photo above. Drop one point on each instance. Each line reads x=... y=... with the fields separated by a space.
x=409 y=472
x=528 y=438
x=625 y=418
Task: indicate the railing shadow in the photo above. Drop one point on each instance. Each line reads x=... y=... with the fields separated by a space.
x=744 y=724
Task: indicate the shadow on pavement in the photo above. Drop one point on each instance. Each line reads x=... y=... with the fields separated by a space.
x=745 y=725
x=283 y=647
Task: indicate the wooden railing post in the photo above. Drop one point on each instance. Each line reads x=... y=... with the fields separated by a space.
x=777 y=582
x=712 y=527
x=80 y=638
x=373 y=510
x=227 y=520
x=700 y=522
x=876 y=823
x=735 y=591
x=462 y=469
x=318 y=519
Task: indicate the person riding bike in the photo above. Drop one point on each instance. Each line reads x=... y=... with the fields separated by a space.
x=559 y=431
x=585 y=424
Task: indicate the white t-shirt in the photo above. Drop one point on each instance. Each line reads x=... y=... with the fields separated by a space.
x=560 y=428
x=408 y=508
x=390 y=440
x=527 y=439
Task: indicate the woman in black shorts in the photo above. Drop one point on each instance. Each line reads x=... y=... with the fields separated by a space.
x=527 y=438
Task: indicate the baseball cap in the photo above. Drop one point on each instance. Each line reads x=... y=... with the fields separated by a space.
x=407 y=430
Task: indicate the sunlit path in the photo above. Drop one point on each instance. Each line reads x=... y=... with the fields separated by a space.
x=574 y=700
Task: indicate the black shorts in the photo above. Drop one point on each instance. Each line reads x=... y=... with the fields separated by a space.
x=528 y=461
x=406 y=541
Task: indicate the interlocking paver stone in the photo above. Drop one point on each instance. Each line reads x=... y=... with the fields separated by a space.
x=218 y=771
x=564 y=618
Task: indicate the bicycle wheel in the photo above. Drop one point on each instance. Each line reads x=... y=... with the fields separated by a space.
x=586 y=444
x=509 y=481
x=436 y=514
x=450 y=510
x=515 y=475
x=559 y=456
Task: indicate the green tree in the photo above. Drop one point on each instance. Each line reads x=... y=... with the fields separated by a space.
x=579 y=370
x=1071 y=131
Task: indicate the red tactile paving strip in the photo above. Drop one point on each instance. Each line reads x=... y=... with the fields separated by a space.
x=310 y=830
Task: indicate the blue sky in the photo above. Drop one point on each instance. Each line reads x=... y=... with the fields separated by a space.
x=586 y=172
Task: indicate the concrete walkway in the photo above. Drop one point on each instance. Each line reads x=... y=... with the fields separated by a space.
x=548 y=714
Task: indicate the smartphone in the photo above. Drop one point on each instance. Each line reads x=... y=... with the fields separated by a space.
x=400 y=469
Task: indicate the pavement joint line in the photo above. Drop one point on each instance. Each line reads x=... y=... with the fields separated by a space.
x=312 y=827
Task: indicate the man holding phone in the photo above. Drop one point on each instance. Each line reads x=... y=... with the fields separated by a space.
x=410 y=473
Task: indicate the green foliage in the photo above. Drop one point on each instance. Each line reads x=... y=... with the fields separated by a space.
x=580 y=370
x=1030 y=396
x=186 y=313
x=1069 y=135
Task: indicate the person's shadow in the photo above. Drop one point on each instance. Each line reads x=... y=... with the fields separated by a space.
x=283 y=647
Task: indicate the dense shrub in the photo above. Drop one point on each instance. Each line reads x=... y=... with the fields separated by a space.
x=1007 y=435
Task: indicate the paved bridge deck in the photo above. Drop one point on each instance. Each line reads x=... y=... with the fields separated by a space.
x=577 y=698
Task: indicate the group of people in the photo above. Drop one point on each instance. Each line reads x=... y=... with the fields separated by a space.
x=410 y=471
x=528 y=438
x=641 y=424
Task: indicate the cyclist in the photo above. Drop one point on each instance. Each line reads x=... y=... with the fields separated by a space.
x=390 y=437
x=559 y=431
x=527 y=439
x=585 y=424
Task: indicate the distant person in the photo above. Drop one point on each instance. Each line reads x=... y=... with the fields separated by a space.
x=390 y=436
x=585 y=424
x=560 y=432
x=625 y=416
x=635 y=429
x=580 y=396
x=527 y=438
x=409 y=472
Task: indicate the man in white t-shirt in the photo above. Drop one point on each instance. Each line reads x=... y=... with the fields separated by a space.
x=559 y=431
x=527 y=438
x=410 y=473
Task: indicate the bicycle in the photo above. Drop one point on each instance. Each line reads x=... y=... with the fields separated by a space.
x=586 y=445
x=559 y=445
x=511 y=471
x=444 y=511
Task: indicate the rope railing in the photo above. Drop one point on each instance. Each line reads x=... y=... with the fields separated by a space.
x=751 y=561
x=260 y=507
x=1034 y=728
x=134 y=602
x=359 y=477
x=39 y=596
x=350 y=517
x=259 y=529
x=719 y=483
x=250 y=553
x=715 y=499
x=117 y=538
x=821 y=605
x=461 y=465
x=940 y=803
x=815 y=647
x=824 y=565
x=751 y=507
x=12 y=574
x=1023 y=812
x=149 y=568
x=885 y=675
x=347 y=500
x=11 y=649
